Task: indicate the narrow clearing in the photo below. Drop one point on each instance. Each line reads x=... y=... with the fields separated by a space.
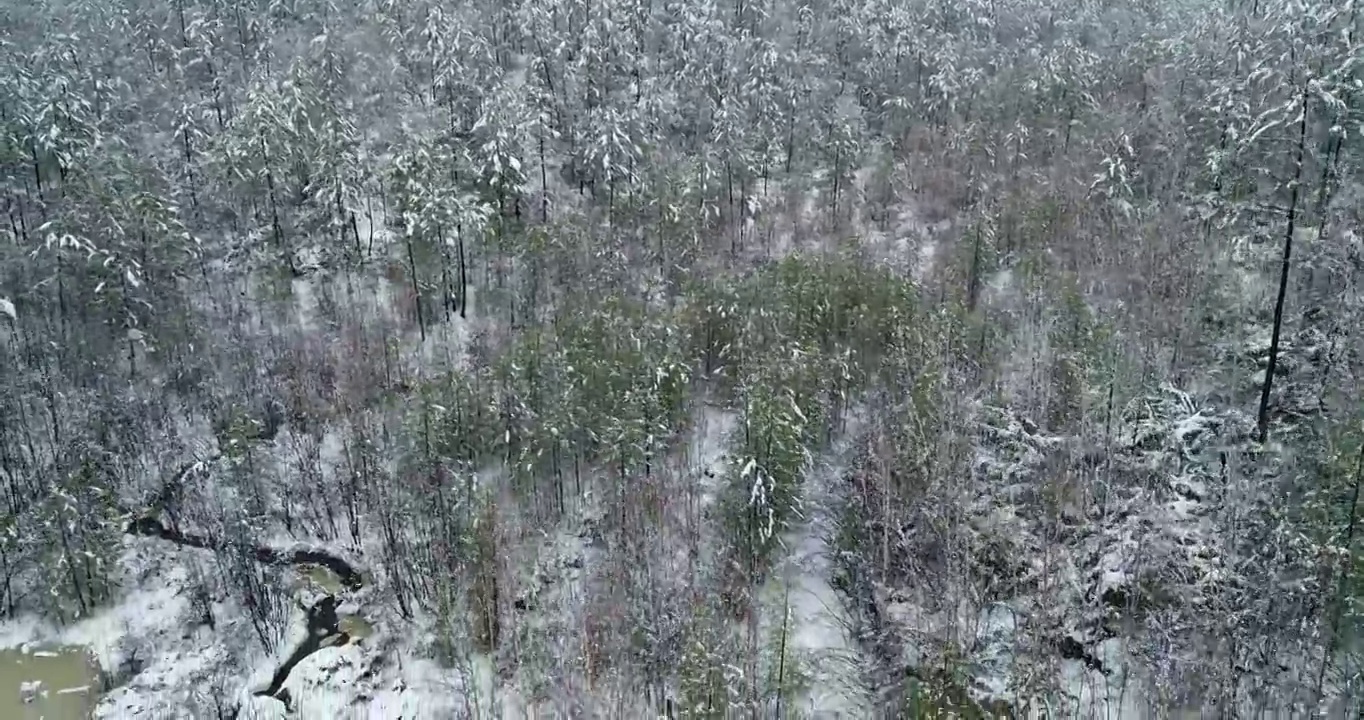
x=820 y=625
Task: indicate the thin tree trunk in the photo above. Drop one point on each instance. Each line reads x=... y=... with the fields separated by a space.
x=71 y=573
x=416 y=289
x=973 y=282
x=1283 y=275
x=189 y=168
x=274 y=214
x=369 y=216
x=463 y=278
x=544 y=181
x=447 y=296
x=781 y=649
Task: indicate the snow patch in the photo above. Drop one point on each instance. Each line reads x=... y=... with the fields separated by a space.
x=820 y=625
x=708 y=449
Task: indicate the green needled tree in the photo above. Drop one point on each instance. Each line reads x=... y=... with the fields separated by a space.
x=574 y=321
x=1329 y=510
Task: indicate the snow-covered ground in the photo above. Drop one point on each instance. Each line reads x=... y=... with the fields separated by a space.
x=707 y=448
x=145 y=627
x=184 y=669
x=819 y=626
x=348 y=681
x=164 y=662
x=187 y=668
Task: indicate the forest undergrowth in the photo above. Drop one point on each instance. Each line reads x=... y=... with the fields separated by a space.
x=646 y=358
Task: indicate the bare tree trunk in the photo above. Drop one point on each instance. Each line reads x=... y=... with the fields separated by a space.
x=274 y=214
x=416 y=289
x=973 y=281
x=463 y=278
x=1263 y=423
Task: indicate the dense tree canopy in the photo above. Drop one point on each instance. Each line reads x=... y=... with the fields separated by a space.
x=603 y=332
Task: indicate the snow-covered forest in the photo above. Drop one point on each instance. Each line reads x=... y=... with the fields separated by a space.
x=682 y=358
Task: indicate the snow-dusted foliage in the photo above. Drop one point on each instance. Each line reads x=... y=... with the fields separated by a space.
x=612 y=358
